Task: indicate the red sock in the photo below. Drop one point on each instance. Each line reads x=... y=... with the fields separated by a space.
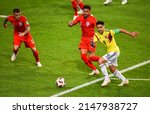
x=81 y=5
x=87 y=61
x=74 y=5
x=94 y=58
x=15 y=51
x=36 y=55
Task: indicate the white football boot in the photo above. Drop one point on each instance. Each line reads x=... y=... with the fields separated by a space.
x=94 y=72
x=13 y=57
x=106 y=82
x=107 y=2
x=124 y=2
x=38 y=64
x=125 y=82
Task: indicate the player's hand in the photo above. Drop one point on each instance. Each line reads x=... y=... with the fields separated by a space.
x=70 y=24
x=21 y=34
x=5 y=25
x=134 y=34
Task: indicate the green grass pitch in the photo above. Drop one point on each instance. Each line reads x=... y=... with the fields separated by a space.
x=58 y=49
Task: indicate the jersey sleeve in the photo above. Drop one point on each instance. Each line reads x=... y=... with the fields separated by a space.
x=26 y=22
x=76 y=20
x=9 y=18
x=115 y=31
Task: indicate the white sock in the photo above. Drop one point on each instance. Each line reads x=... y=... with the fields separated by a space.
x=104 y=71
x=118 y=74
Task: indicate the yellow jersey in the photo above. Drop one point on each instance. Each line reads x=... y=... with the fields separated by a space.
x=107 y=38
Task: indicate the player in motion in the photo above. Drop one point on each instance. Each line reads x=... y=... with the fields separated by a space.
x=77 y=5
x=21 y=34
x=87 y=23
x=106 y=37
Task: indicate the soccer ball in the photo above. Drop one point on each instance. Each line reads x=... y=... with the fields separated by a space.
x=60 y=82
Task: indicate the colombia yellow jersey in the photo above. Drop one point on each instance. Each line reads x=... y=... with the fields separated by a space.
x=107 y=38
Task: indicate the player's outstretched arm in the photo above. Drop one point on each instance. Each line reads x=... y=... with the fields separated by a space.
x=3 y=16
x=5 y=23
x=132 y=34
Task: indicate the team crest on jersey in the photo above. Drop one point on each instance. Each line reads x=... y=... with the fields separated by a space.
x=87 y=24
x=20 y=24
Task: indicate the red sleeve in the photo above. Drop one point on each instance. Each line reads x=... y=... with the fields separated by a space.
x=10 y=18
x=26 y=23
x=76 y=20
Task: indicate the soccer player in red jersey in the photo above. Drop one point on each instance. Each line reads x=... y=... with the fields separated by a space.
x=21 y=34
x=77 y=5
x=87 y=23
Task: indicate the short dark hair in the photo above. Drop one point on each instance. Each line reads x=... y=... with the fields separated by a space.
x=100 y=22
x=16 y=10
x=87 y=7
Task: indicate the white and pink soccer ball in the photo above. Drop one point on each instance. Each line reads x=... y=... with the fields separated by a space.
x=60 y=82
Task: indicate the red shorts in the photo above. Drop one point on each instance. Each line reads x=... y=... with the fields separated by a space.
x=27 y=39
x=85 y=43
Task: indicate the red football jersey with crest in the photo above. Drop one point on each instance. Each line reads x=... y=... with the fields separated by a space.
x=19 y=25
x=87 y=25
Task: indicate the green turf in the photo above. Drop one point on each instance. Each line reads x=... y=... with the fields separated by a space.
x=58 y=49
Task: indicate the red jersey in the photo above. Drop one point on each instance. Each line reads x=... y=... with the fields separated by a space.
x=19 y=25
x=87 y=25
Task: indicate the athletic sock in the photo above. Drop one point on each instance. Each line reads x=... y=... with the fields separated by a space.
x=36 y=55
x=74 y=5
x=104 y=71
x=94 y=58
x=87 y=61
x=81 y=5
x=15 y=51
x=118 y=74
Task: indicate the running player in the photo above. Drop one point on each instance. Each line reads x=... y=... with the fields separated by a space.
x=77 y=5
x=87 y=23
x=106 y=37
x=21 y=34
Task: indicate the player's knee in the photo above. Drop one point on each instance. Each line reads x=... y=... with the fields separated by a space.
x=112 y=69
x=16 y=48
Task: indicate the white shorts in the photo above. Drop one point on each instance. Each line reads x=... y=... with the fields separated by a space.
x=111 y=58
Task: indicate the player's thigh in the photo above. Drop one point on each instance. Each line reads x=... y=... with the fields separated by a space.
x=30 y=44
x=111 y=56
x=83 y=51
x=16 y=43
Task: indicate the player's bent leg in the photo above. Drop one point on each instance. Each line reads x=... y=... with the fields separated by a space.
x=36 y=55
x=15 y=51
x=86 y=60
x=103 y=68
x=118 y=74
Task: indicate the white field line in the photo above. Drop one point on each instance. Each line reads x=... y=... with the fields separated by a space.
x=97 y=80
x=134 y=79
